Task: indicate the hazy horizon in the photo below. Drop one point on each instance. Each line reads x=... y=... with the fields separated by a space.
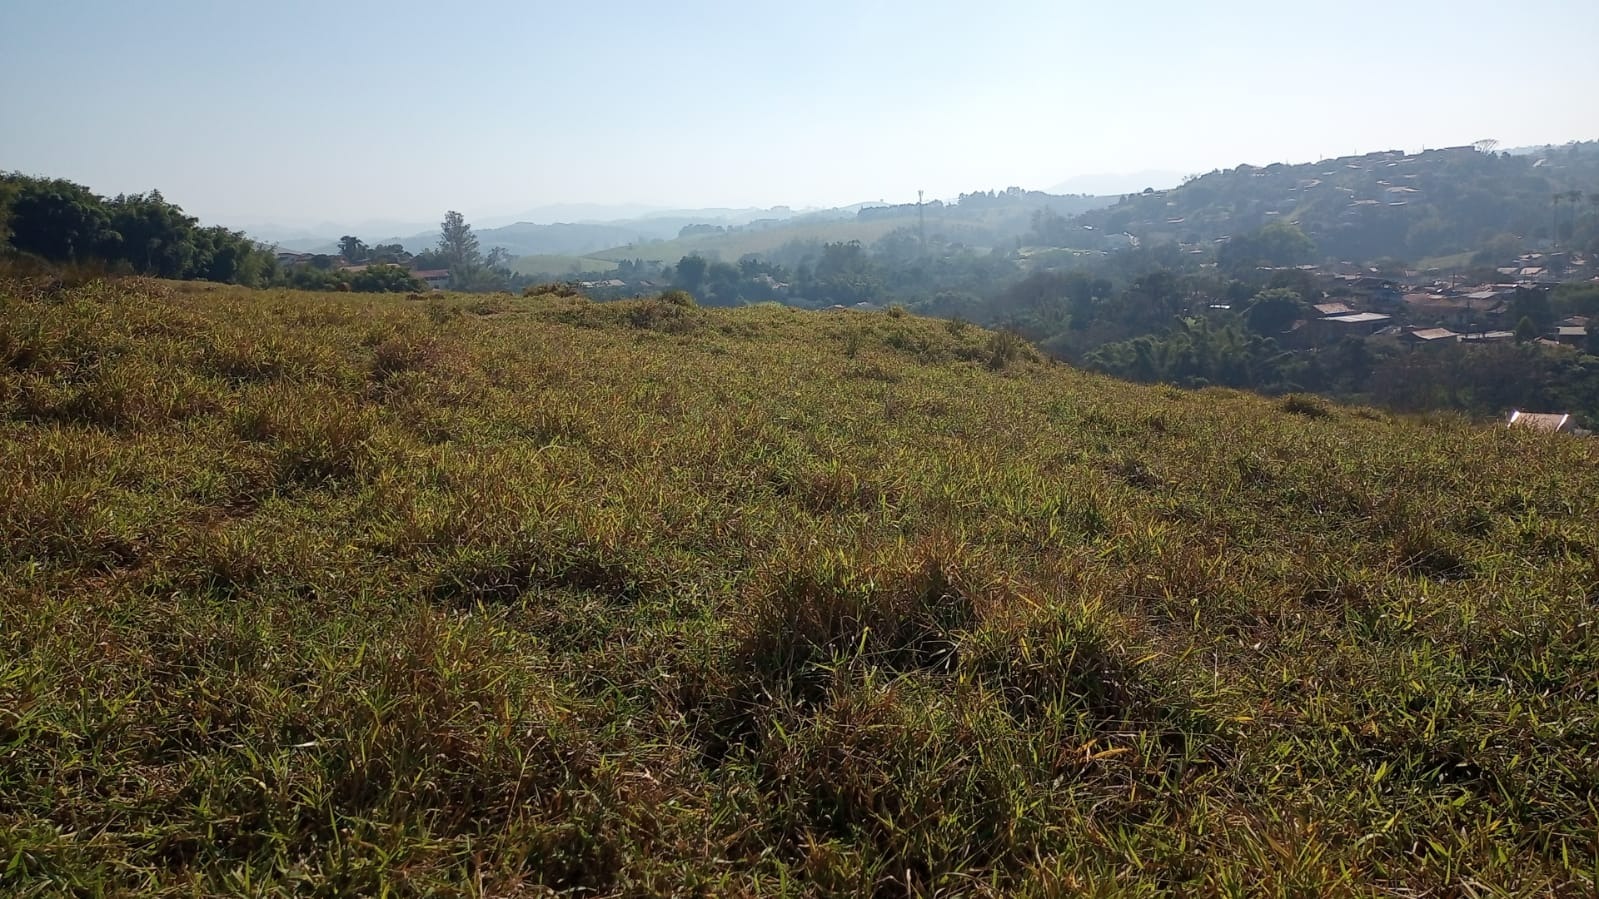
x=300 y=114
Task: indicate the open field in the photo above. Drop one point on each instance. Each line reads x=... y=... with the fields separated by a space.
x=322 y=594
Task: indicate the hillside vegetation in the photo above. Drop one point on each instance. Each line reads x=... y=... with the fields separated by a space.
x=1379 y=205
x=318 y=594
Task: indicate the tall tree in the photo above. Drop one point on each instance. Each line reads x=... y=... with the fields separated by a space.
x=352 y=249
x=691 y=272
x=457 y=244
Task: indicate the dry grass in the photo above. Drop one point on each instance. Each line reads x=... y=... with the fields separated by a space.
x=319 y=594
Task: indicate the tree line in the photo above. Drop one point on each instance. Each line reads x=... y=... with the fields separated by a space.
x=61 y=222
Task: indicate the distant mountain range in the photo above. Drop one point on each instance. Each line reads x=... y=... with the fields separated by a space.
x=980 y=220
x=567 y=229
x=577 y=229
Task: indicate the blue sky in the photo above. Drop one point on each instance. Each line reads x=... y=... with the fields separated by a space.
x=354 y=111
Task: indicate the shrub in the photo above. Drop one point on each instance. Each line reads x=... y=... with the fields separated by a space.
x=553 y=289
x=400 y=354
x=661 y=315
x=383 y=279
x=824 y=606
x=1308 y=406
x=1004 y=348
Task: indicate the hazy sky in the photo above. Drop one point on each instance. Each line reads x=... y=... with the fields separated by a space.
x=350 y=111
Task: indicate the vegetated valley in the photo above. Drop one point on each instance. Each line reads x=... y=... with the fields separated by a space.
x=325 y=594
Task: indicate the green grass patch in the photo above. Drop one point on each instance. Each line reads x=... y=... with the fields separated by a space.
x=308 y=593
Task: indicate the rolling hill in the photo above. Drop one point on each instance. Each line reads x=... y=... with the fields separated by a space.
x=484 y=595
x=1380 y=205
x=979 y=220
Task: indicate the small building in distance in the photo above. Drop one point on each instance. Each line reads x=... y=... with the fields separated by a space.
x=434 y=278
x=289 y=259
x=1430 y=336
x=1571 y=335
x=1380 y=293
x=1358 y=322
x=1552 y=422
x=1332 y=328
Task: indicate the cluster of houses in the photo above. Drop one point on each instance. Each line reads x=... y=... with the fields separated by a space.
x=1421 y=312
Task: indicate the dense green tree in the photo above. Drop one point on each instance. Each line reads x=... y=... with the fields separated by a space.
x=1533 y=303
x=458 y=246
x=430 y=259
x=352 y=249
x=389 y=254
x=1346 y=366
x=384 y=279
x=722 y=283
x=58 y=220
x=1274 y=311
x=1197 y=352
x=230 y=257
x=844 y=274
x=1576 y=299
x=8 y=192
x=690 y=273
x=156 y=237
x=65 y=222
x=1277 y=244
x=1149 y=302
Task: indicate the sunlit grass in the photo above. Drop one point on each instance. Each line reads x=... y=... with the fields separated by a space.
x=485 y=596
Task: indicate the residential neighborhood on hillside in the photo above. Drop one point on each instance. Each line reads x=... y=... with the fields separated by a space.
x=1422 y=310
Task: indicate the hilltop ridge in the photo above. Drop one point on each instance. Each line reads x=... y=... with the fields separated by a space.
x=1387 y=204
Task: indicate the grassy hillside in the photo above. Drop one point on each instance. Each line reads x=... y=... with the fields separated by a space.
x=320 y=594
